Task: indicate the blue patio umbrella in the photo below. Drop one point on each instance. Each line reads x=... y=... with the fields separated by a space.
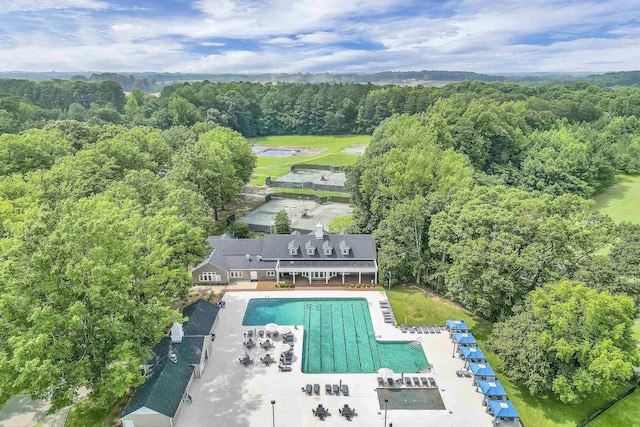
x=463 y=338
x=492 y=388
x=457 y=325
x=503 y=409
x=472 y=353
x=481 y=370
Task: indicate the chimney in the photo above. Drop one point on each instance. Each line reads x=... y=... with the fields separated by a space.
x=319 y=232
x=248 y=257
x=176 y=332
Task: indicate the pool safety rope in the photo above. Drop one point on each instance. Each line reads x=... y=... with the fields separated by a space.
x=369 y=335
x=344 y=335
x=320 y=328
x=333 y=342
x=353 y=313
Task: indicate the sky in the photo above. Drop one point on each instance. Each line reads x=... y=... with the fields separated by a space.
x=287 y=36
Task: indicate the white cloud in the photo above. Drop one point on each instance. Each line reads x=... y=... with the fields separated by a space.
x=477 y=35
x=34 y=5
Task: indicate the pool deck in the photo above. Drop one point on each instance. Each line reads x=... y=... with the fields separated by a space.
x=230 y=394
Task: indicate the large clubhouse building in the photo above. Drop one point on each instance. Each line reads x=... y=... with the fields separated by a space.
x=314 y=258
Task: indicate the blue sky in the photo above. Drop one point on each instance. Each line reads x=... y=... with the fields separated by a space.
x=246 y=36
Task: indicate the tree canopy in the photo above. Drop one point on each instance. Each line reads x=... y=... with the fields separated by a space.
x=569 y=340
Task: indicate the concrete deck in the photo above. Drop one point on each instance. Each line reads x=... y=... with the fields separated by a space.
x=233 y=395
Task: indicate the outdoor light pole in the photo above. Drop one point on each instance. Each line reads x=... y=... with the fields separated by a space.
x=389 y=270
x=386 y=402
x=273 y=412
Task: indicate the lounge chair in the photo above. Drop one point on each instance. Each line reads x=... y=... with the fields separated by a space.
x=403 y=329
x=432 y=382
x=407 y=381
x=380 y=382
x=389 y=320
x=384 y=304
x=424 y=382
x=336 y=389
x=284 y=368
x=307 y=389
x=426 y=329
x=316 y=389
x=327 y=388
x=261 y=334
x=345 y=390
x=416 y=381
x=250 y=333
x=411 y=331
x=418 y=329
x=245 y=360
x=437 y=329
x=390 y=382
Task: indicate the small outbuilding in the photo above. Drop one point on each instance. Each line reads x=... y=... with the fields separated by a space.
x=177 y=360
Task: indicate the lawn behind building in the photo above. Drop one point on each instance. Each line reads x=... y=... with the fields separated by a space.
x=331 y=155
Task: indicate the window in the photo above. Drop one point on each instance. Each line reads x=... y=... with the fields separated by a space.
x=293 y=251
x=271 y=273
x=327 y=251
x=310 y=251
x=236 y=274
x=317 y=274
x=209 y=277
x=345 y=251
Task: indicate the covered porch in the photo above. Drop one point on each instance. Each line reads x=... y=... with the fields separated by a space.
x=327 y=271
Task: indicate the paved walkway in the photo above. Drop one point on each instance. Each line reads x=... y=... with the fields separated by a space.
x=232 y=395
x=21 y=411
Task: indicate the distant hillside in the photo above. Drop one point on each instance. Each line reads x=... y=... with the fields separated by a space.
x=154 y=82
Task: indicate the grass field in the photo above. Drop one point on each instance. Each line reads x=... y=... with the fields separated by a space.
x=545 y=411
x=278 y=166
x=622 y=201
x=624 y=413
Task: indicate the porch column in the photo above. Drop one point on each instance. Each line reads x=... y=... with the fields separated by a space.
x=359 y=277
x=343 y=277
x=277 y=277
x=326 y=277
x=309 y=277
x=375 y=280
x=294 y=278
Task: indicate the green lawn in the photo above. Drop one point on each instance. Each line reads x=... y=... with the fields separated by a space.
x=622 y=201
x=278 y=166
x=624 y=413
x=418 y=307
x=85 y=415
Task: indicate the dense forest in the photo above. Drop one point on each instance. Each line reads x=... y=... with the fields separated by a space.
x=255 y=109
x=479 y=191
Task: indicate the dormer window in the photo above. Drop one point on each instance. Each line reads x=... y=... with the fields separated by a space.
x=328 y=249
x=293 y=248
x=310 y=251
x=344 y=248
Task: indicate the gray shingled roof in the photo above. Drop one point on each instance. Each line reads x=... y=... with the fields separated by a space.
x=276 y=246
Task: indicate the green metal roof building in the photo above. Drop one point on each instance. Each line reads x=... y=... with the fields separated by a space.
x=177 y=360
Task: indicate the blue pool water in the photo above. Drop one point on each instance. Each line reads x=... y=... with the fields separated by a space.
x=338 y=335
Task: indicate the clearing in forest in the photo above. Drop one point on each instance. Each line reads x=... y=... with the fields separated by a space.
x=326 y=150
x=622 y=201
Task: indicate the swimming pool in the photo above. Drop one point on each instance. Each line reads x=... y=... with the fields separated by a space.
x=338 y=335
